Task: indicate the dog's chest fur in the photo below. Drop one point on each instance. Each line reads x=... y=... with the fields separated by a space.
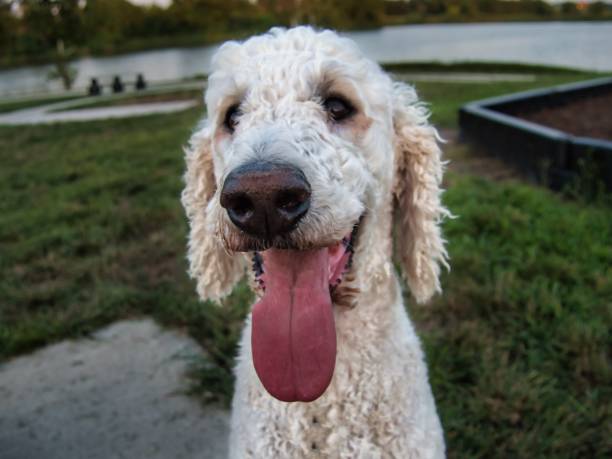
x=379 y=403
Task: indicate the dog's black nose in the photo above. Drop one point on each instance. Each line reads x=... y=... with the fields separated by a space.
x=265 y=199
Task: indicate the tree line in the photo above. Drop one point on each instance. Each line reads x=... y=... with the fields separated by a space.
x=39 y=30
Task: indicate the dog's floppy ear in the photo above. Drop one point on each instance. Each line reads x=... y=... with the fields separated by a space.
x=215 y=270
x=418 y=211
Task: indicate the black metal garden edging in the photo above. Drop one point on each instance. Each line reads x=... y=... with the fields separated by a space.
x=546 y=155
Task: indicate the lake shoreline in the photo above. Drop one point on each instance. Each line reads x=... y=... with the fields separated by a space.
x=575 y=45
x=197 y=40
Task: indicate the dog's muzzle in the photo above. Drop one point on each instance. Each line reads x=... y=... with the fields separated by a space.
x=266 y=199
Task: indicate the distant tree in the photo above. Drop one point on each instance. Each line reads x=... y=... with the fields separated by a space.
x=598 y=8
x=48 y=21
x=212 y=16
x=55 y=27
x=437 y=7
x=157 y=22
x=541 y=8
x=396 y=8
x=468 y=8
x=344 y=14
x=63 y=70
x=110 y=22
x=8 y=27
x=288 y=12
x=487 y=6
x=569 y=8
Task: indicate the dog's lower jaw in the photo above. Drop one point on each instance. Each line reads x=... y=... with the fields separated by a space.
x=378 y=404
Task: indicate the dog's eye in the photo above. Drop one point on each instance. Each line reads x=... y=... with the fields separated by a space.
x=231 y=117
x=338 y=108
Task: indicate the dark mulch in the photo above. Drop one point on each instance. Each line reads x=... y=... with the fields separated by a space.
x=587 y=117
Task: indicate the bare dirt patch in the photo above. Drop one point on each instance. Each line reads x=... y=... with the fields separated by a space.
x=585 y=117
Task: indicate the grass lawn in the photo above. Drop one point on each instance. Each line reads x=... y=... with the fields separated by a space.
x=91 y=230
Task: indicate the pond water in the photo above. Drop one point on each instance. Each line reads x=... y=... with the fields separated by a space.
x=585 y=45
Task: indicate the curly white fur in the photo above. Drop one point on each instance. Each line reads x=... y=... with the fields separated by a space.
x=379 y=403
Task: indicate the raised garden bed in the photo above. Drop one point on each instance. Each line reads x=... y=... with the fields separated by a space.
x=555 y=136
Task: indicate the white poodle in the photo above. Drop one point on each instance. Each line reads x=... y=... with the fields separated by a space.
x=308 y=152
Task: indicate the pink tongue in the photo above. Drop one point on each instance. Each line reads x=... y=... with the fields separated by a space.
x=293 y=332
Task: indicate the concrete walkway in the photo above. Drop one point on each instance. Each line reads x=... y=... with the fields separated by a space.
x=59 y=112
x=118 y=395
x=46 y=114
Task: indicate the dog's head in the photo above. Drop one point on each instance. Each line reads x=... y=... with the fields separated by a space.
x=306 y=146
